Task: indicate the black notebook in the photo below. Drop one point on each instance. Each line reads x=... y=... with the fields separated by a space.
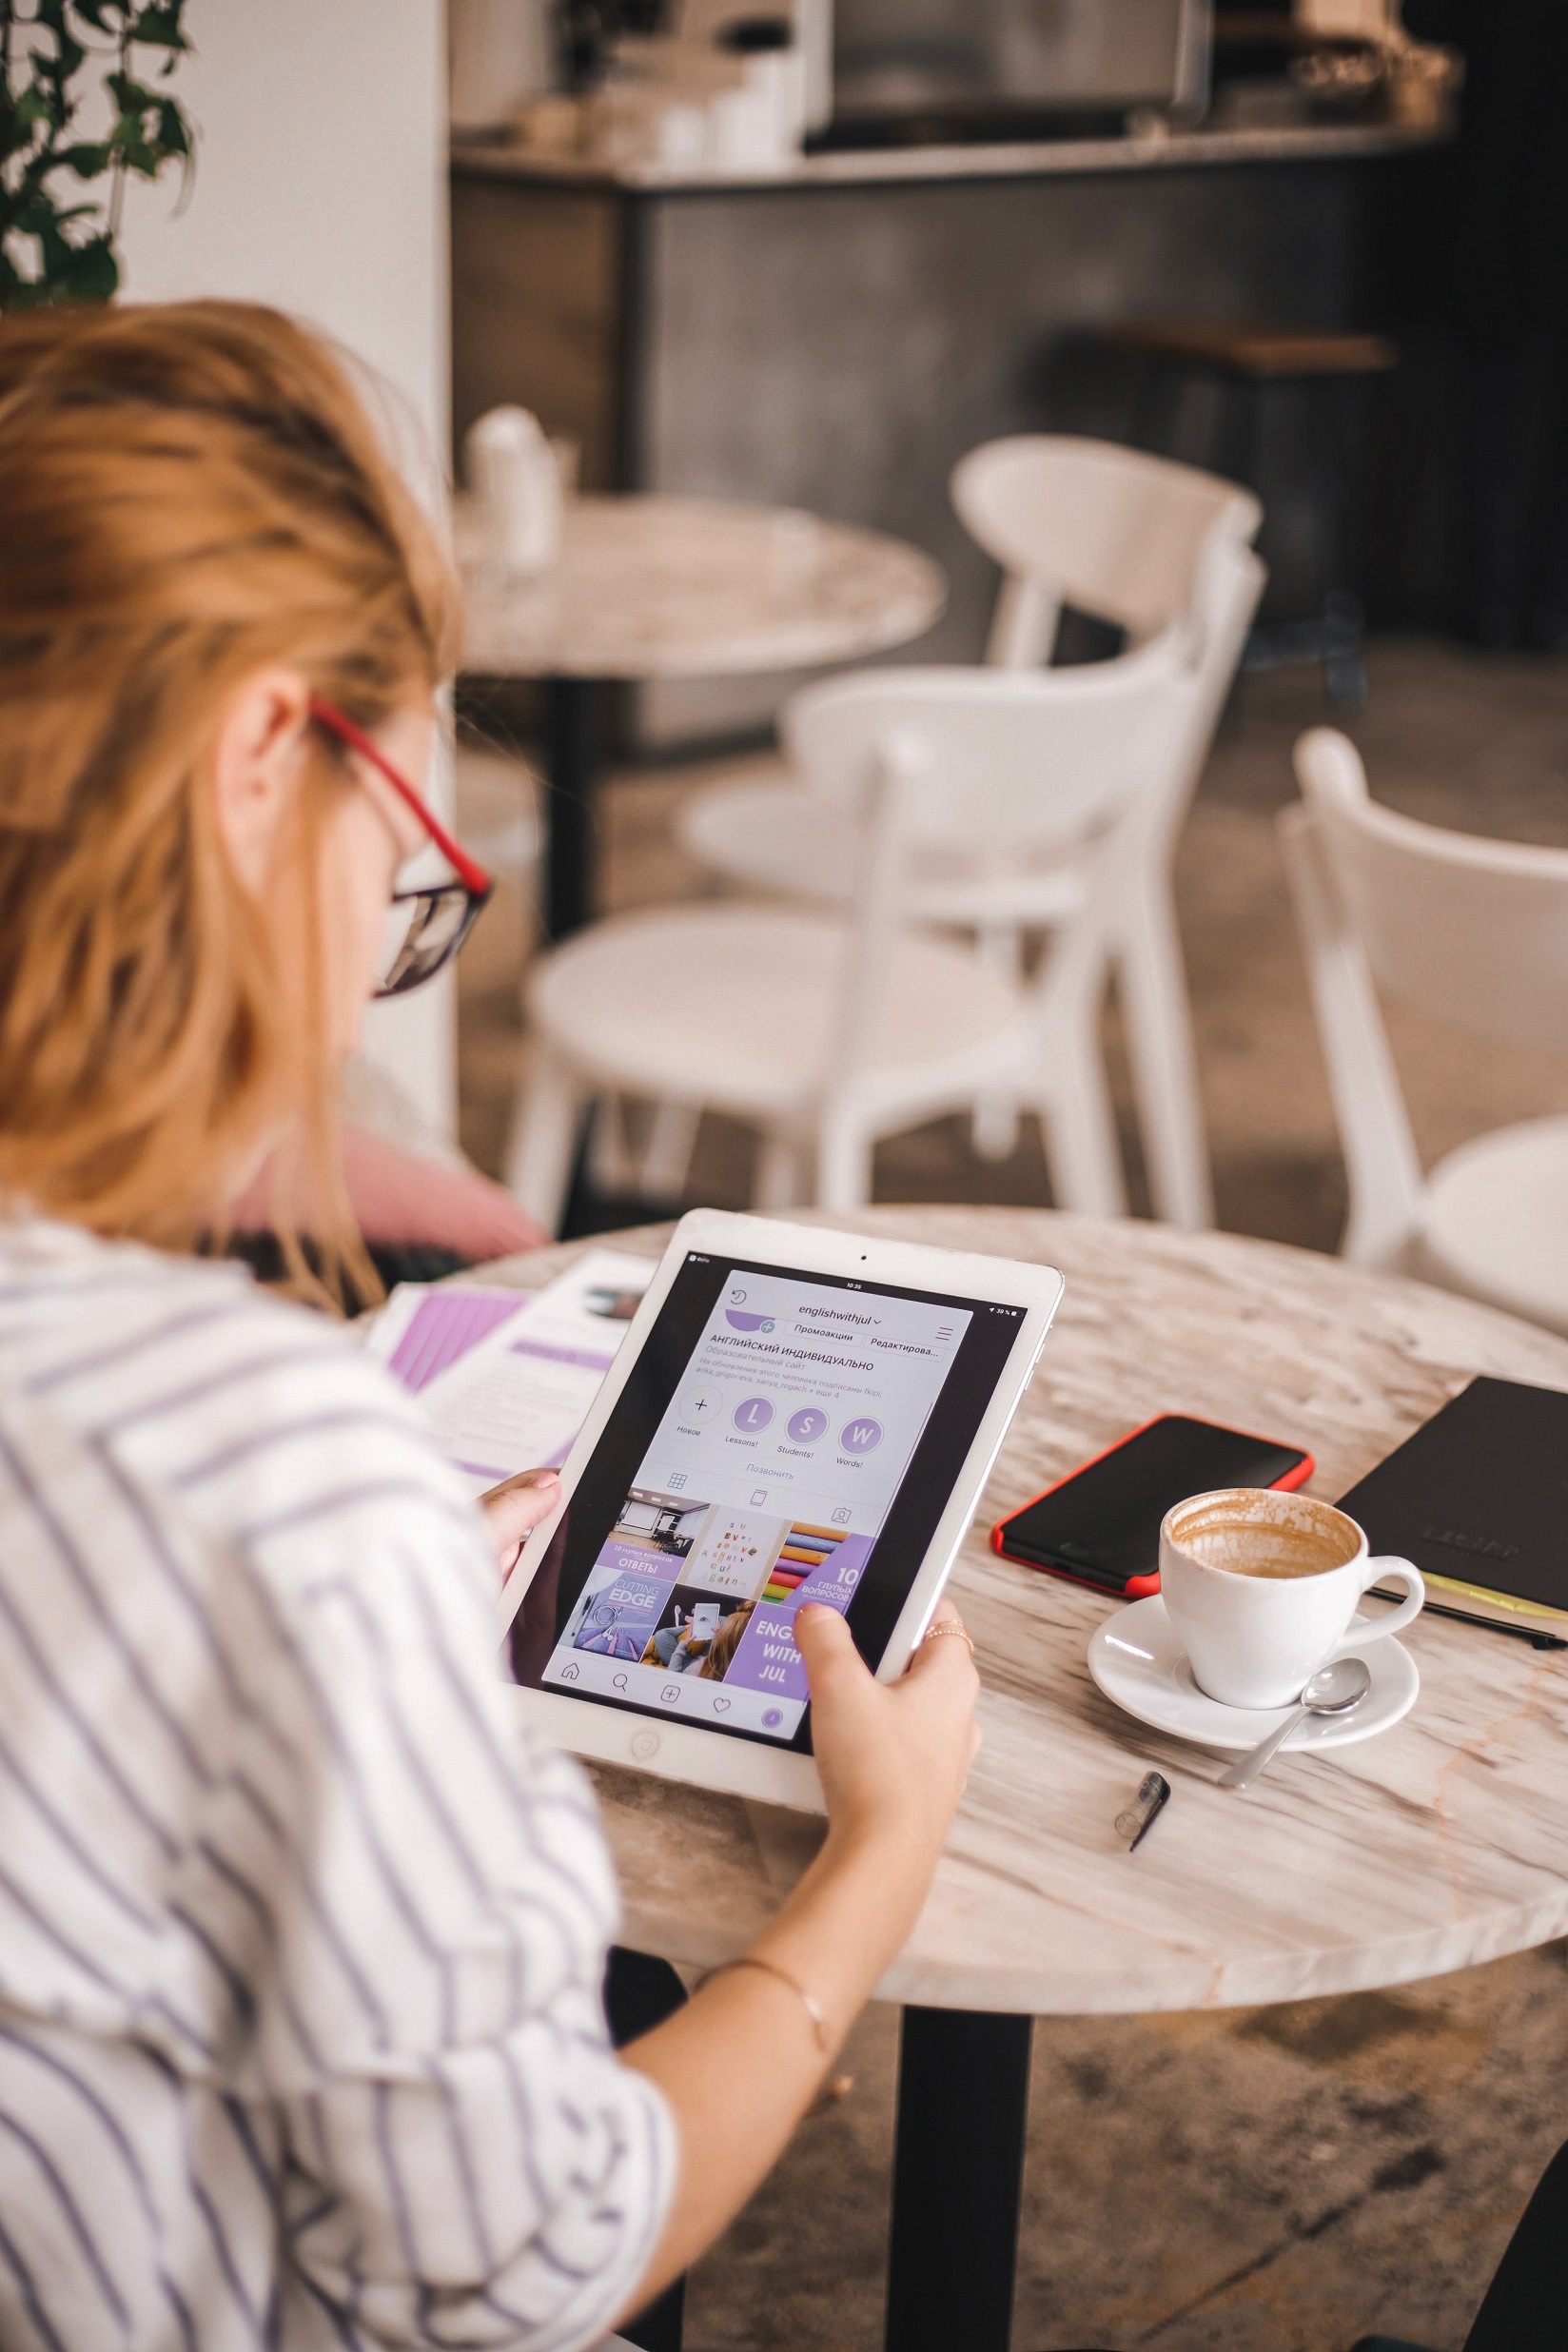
x=1477 y=1497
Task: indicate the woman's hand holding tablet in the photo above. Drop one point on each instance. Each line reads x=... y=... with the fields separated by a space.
x=888 y=1767
x=515 y=1508
x=741 y=2061
x=795 y=1416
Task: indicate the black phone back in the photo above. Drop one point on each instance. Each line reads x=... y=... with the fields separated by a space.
x=1102 y=1523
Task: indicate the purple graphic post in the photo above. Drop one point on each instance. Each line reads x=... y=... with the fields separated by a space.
x=766 y=1657
x=623 y=1613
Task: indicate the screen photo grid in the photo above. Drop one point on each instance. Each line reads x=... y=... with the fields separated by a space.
x=766 y=1483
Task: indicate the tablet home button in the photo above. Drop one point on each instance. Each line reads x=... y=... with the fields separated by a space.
x=644 y=1744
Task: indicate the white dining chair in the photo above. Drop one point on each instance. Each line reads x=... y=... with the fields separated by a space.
x=1112 y=532
x=497 y=812
x=1162 y=549
x=1472 y=932
x=827 y=1029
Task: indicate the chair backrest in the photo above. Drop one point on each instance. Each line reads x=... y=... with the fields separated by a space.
x=991 y=759
x=1473 y=932
x=1112 y=531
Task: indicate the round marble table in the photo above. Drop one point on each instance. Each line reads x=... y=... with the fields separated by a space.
x=651 y=587
x=1440 y=1844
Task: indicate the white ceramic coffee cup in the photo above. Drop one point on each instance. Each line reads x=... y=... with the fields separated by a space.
x=1262 y=1587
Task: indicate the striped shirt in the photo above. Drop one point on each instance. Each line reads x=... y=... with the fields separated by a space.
x=302 y=2040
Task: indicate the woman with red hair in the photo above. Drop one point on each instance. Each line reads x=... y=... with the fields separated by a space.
x=302 y=1941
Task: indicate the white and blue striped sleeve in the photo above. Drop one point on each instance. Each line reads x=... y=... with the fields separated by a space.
x=458 y=2157
x=302 y=1941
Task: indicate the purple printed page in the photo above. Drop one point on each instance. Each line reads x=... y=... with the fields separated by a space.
x=507 y=1377
x=445 y=1325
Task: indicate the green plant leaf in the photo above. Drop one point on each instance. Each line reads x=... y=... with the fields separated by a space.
x=159 y=28
x=128 y=94
x=173 y=136
x=41 y=93
x=93 y=274
x=87 y=160
x=38 y=216
x=68 y=58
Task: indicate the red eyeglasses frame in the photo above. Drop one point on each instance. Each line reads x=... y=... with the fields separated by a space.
x=469 y=871
x=421 y=956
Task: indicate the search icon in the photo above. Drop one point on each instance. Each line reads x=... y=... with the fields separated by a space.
x=617 y=1682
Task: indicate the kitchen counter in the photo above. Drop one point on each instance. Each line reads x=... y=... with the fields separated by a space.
x=1165 y=150
x=835 y=336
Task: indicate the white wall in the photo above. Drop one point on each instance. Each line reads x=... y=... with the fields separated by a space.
x=320 y=186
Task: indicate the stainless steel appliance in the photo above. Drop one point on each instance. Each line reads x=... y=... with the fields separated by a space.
x=988 y=63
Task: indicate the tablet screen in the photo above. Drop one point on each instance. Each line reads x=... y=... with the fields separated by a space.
x=782 y=1437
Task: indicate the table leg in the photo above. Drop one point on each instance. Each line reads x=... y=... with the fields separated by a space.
x=639 y=1993
x=570 y=726
x=958 y=2170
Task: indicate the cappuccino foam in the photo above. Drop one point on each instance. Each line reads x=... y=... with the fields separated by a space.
x=1283 y=1537
x=1264 y=1552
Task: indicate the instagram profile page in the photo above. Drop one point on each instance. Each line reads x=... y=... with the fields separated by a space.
x=765 y=1485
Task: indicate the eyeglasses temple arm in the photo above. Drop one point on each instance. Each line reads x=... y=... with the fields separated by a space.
x=469 y=871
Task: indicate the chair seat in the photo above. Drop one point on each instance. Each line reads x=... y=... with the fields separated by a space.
x=775 y=836
x=1258 y=347
x=734 y=1006
x=498 y=811
x=1493 y=1219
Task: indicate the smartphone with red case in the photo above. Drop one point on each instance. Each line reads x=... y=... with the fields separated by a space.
x=1100 y=1525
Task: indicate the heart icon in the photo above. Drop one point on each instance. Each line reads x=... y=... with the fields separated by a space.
x=720 y=1706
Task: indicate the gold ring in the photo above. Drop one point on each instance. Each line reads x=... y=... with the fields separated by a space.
x=948 y=1625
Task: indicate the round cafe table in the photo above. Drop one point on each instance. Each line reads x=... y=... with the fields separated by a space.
x=1438 y=1845
x=657 y=587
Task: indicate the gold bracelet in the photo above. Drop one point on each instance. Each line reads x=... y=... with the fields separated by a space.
x=771 y=1968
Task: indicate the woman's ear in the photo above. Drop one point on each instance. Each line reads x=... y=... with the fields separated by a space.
x=256 y=769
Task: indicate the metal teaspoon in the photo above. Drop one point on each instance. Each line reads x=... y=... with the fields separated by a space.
x=1333 y=1690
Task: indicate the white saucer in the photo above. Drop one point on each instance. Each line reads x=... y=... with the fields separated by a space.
x=1137 y=1661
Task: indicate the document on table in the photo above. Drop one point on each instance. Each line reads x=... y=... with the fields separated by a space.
x=426 y=1326
x=516 y=1391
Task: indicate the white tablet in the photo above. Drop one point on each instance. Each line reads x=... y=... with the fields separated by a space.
x=794 y=1415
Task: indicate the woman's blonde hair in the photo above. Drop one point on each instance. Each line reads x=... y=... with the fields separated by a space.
x=187 y=494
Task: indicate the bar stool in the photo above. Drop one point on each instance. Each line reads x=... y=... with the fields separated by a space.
x=1309 y=384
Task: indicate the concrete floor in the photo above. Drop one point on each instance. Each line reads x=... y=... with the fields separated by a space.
x=1278 y=2180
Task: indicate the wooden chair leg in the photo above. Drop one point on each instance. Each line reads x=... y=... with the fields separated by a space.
x=843 y=1165
x=993 y=1123
x=777 y=1183
x=1165 y=1073
x=610 y=1170
x=1080 y=1137
x=1071 y=1095
x=545 y=1140
x=667 y=1157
